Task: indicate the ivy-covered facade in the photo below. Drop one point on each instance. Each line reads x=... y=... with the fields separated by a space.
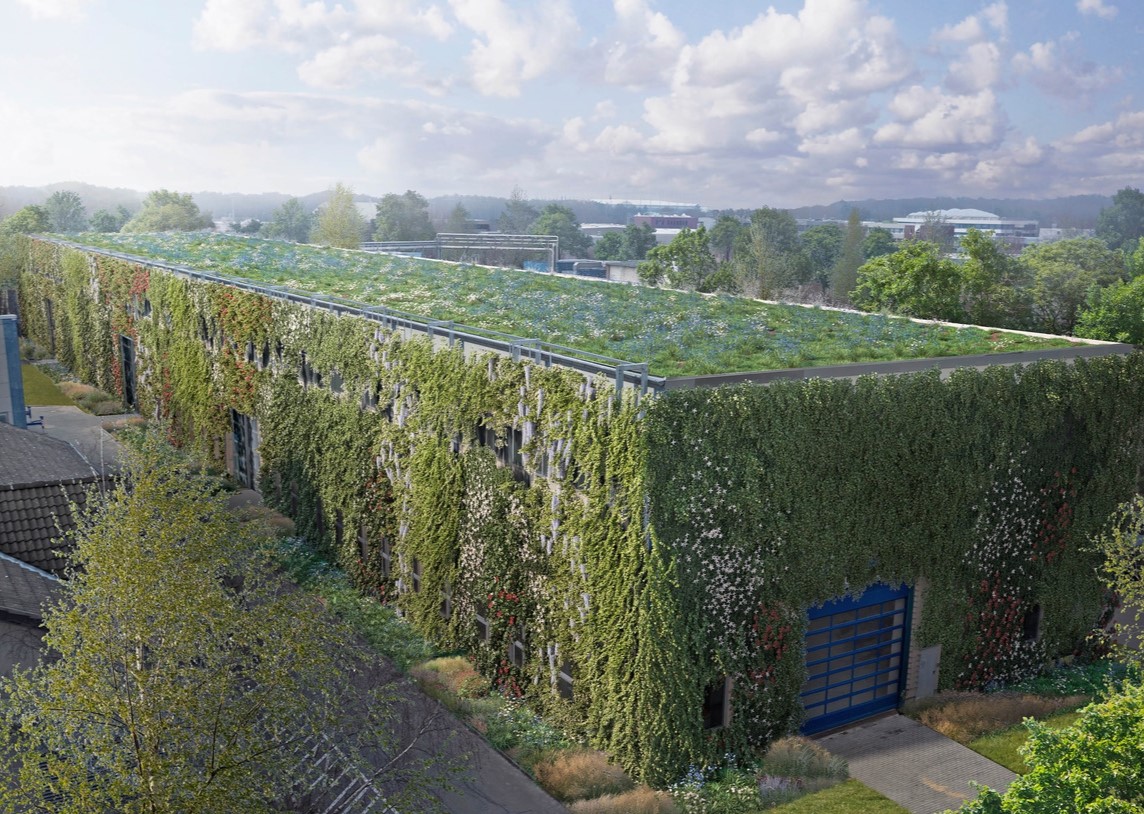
x=641 y=569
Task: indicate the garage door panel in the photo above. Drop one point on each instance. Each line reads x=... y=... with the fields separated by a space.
x=854 y=657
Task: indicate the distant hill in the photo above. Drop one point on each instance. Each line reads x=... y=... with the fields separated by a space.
x=1076 y=212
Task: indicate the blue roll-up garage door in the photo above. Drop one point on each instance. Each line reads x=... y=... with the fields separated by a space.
x=855 y=657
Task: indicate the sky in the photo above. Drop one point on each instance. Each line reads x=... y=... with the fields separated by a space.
x=724 y=104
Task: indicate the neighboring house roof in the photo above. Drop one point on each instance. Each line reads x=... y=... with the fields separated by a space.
x=24 y=588
x=40 y=477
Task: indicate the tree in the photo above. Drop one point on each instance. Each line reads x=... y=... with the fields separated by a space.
x=1122 y=224
x=638 y=241
x=845 y=273
x=914 y=281
x=994 y=285
x=878 y=241
x=291 y=222
x=768 y=256
x=106 y=221
x=30 y=220
x=1064 y=274
x=822 y=246
x=724 y=235
x=339 y=224
x=66 y=211
x=518 y=214
x=560 y=221
x=403 y=217
x=610 y=246
x=166 y=211
x=458 y=221
x=183 y=676
x=685 y=262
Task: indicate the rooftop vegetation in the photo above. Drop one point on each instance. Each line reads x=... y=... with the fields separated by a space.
x=678 y=333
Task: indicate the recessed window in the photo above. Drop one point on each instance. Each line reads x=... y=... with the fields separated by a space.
x=416 y=575
x=482 y=629
x=363 y=542
x=564 y=678
x=1031 y=624
x=386 y=553
x=717 y=704
x=517 y=651
x=447 y=601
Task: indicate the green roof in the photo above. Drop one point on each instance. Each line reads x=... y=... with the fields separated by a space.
x=679 y=333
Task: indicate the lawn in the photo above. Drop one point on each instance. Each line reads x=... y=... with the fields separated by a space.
x=678 y=333
x=850 y=797
x=1002 y=747
x=40 y=391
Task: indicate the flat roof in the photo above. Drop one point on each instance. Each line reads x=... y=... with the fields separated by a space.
x=679 y=333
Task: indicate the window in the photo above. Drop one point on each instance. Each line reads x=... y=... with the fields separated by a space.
x=482 y=629
x=363 y=542
x=386 y=553
x=416 y=575
x=265 y=355
x=1031 y=624
x=250 y=352
x=564 y=678
x=304 y=371
x=518 y=650
x=717 y=704
x=446 y=601
x=339 y=529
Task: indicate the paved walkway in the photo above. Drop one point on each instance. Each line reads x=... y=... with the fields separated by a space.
x=83 y=431
x=917 y=768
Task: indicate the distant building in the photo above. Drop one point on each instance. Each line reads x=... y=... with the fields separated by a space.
x=1019 y=231
x=667 y=221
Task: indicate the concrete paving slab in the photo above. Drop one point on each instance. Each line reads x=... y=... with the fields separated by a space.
x=916 y=767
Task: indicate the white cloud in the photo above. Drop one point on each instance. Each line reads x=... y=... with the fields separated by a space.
x=643 y=46
x=348 y=64
x=515 y=45
x=929 y=118
x=1058 y=70
x=1097 y=7
x=57 y=9
x=977 y=69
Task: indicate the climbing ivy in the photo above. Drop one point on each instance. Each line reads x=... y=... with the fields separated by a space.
x=647 y=549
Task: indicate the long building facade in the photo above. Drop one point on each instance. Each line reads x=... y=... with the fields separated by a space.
x=678 y=571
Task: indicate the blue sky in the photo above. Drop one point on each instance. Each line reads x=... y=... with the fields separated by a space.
x=721 y=103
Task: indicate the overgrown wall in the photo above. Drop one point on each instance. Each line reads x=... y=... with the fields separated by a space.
x=661 y=546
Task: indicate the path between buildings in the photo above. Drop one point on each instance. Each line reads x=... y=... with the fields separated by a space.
x=916 y=767
x=83 y=431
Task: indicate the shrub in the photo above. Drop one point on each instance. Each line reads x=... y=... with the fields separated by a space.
x=579 y=775
x=640 y=800
x=802 y=758
x=964 y=716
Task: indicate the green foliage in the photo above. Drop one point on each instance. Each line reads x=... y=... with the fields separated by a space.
x=107 y=221
x=339 y=224
x=1123 y=553
x=166 y=211
x=560 y=221
x=66 y=211
x=518 y=214
x=1115 y=313
x=878 y=241
x=1122 y=224
x=685 y=262
x=28 y=221
x=768 y=257
x=844 y=275
x=1092 y=767
x=1005 y=747
x=403 y=217
x=915 y=280
x=994 y=285
x=178 y=661
x=823 y=247
x=657 y=547
x=290 y=222
x=1065 y=273
x=458 y=221
x=632 y=244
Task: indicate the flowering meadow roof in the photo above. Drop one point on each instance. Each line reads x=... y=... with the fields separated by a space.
x=679 y=333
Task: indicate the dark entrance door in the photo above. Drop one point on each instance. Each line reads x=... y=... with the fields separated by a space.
x=127 y=358
x=855 y=657
x=243 y=449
